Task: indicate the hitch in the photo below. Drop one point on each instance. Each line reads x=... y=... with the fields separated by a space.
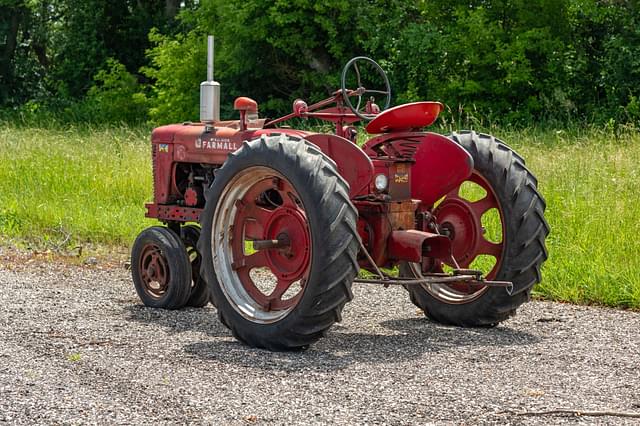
x=468 y=276
x=415 y=238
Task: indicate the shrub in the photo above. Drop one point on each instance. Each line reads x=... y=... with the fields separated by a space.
x=116 y=96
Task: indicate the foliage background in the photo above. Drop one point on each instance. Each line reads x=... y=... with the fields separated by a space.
x=491 y=62
x=81 y=82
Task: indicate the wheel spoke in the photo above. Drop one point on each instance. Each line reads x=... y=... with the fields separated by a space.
x=478 y=180
x=289 y=196
x=492 y=249
x=255 y=260
x=281 y=288
x=382 y=92
x=287 y=201
x=257 y=213
x=454 y=193
x=355 y=67
x=253 y=291
x=482 y=206
x=254 y=217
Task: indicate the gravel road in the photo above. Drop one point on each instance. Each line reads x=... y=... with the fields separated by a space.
x=77 y=347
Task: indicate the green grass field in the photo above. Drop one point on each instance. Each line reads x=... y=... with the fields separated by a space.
x=61 y=188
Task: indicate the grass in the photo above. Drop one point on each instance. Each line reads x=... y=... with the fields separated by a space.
x=75 y=185
x=65 y=187
x=591 y=184
x=74 y=357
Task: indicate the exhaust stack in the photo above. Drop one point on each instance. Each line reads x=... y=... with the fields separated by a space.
x=209 y=91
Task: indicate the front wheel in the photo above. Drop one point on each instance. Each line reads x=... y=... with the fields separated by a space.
x=279 y=243
x=496 y=223
x=199 y=296
x=160 y=268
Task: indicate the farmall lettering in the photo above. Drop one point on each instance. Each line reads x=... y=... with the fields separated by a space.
x=223 y=144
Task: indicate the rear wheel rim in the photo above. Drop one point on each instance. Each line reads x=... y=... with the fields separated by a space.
x=462 y=220
x=261 y=204
x=154 y=271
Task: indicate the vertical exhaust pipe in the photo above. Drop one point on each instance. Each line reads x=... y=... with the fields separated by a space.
x=210 y=45
x=209 y=91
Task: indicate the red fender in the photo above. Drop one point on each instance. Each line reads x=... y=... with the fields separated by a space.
x=353 y=164
x=440 y=166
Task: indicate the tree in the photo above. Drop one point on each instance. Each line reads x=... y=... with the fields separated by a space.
x=12 y=20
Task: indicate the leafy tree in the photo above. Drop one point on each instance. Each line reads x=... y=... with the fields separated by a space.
x=20 y=50
x=116 y=96
x=507 y=61
x=503 y=57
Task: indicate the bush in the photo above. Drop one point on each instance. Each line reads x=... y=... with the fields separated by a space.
x=463 y=53
x=116 y=96
x=504 y=62
x=178 y=65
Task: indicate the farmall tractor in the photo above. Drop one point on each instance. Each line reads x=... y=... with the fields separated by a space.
x=273 y=225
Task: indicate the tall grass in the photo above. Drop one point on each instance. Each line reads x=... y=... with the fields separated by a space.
x=63 y=187
x=591 y=182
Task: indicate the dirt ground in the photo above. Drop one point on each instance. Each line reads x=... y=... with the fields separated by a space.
x=77 y=347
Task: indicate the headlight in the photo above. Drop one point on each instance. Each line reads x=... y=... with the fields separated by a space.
x=381 y=182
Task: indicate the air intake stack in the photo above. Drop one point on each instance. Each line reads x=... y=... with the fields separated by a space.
x=209 y=91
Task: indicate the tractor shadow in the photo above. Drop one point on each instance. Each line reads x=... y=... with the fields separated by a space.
x=407 y=339
x=199 y=320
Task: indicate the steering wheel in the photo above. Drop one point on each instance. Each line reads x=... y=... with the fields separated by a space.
x=361 y=110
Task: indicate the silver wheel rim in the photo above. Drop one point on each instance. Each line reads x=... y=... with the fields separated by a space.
x=443 y=292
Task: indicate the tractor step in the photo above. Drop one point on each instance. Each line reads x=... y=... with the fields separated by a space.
x=474 y=279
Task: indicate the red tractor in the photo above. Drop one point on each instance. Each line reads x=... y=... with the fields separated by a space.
x=273 y=225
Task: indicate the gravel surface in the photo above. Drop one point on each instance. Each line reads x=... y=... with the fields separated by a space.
x=77 y=347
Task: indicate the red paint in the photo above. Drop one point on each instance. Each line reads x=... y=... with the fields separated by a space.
x=192 y=143
x=401 y=145
x=338 y=114
x=353 y=164
x=245 y=104
x=377 y=227
x=334 y=114
x=286 y=222
x=172 y=213
x=191 y=197
x=440 y=166
x=299 y=107
x=462 y=219
x=421 y=167
x=405 y=117
x=413 y=245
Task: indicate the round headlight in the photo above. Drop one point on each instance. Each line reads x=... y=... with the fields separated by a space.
x=381 y=182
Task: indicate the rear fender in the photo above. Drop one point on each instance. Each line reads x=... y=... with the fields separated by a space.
x=353 y=164
x=440 y=166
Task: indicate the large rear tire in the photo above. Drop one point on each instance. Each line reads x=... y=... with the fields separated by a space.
x=280 y=190
x=511 y=190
